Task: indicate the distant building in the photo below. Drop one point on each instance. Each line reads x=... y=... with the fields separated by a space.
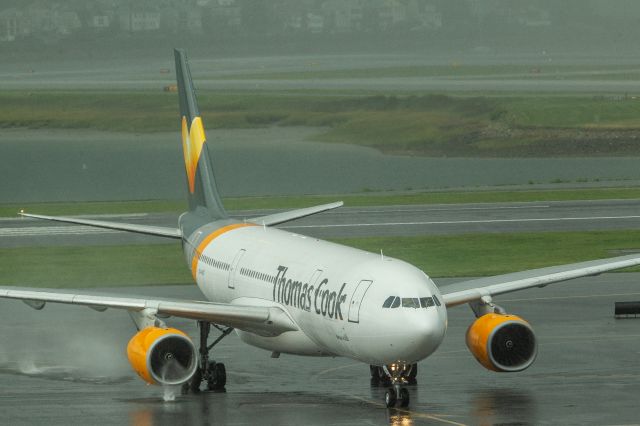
x=139 y=21
x=10 y=20
x=65 y=22
x=226 y=12
x=99 y=22
x=315 y=23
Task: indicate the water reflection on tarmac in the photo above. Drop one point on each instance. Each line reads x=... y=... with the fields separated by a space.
x=65 y=365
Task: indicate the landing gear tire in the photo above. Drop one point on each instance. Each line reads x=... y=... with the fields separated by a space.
x=379 y=377
x=413 y=373
x=404 y=397
x=209 y=371
x=194 y=384
x=375 y=380
x=399 y=375
x=390 y=398
x=217 y=377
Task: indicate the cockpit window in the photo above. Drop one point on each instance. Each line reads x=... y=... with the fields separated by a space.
x=408 y=302
x=387 y=303
x=425 y=302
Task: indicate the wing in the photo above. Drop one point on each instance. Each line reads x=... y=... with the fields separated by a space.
x=277 y=218
x=468 y=291
x=140 y=229
x=262 y=320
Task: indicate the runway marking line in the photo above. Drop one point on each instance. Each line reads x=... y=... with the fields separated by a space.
x=409 y=412
x=418 y=210
x=571 y=297
x=54 y=230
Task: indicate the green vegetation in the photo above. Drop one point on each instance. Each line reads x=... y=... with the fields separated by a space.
x=440 y=256
x=493 y=254
x=94 y=266
x=433 y=125
x=351 y=200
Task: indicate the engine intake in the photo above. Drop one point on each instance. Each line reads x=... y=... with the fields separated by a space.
x=504 y=343
x=164 y=356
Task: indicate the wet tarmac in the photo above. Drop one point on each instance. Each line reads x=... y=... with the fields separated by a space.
x=66 y=365
x=221 y=73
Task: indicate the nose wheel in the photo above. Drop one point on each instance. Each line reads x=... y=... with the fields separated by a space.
x=395 y=377
x=396 y=396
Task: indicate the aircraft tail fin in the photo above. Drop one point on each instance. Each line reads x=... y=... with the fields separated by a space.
x=203 y=196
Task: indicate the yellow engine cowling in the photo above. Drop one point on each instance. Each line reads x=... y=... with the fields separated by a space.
x=163 y=356
x=504 y=343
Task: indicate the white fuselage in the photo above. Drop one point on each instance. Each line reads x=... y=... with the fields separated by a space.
x=333 y=293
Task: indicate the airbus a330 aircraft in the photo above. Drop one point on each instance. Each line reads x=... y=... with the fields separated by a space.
x=288 y=293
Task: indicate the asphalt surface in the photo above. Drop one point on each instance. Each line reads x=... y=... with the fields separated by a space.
x=362 y=222
x=66 y=365
x=220 y=74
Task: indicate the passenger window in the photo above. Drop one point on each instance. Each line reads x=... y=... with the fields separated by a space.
x=408 y=302
x=396 y=302
x=435 y=299
x=387 y=303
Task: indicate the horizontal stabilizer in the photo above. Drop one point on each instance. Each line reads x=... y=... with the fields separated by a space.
x=277 y=218
x=158 y=231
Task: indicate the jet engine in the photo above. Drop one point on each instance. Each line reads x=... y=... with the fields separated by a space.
x=163 y=356
x=500 y=342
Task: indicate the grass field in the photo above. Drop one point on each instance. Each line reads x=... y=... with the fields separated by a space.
x=427 y=124
x=96 y=266
x=350 y=200
x=439 y=256
x=493 y=254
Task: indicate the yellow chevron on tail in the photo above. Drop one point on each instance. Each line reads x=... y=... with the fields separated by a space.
x=193 y=139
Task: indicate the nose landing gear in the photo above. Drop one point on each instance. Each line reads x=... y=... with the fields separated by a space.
x=394 y=377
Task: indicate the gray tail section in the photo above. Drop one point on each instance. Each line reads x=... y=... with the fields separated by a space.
x=202 y=191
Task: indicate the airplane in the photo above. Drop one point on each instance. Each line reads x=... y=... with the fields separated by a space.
x=294 y=294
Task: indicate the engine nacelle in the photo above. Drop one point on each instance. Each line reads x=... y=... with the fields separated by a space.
x=502 y=342
x=163 y=356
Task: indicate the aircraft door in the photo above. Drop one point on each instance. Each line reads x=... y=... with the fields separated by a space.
x=356 y=300
x=233 y=268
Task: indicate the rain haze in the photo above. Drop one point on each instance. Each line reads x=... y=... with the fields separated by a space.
x=358 y=50
x=470 y=138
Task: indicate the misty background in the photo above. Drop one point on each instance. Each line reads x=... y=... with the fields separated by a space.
x=55 y=29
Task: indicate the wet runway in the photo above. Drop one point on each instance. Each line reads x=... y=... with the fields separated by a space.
x=66 y=365
x=363 y=221
x=221 y=73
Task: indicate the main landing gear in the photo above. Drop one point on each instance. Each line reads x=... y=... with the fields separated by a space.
x=212 y=373
x=395 y=377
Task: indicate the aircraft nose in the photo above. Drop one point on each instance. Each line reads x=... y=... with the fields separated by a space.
x=425 y=332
